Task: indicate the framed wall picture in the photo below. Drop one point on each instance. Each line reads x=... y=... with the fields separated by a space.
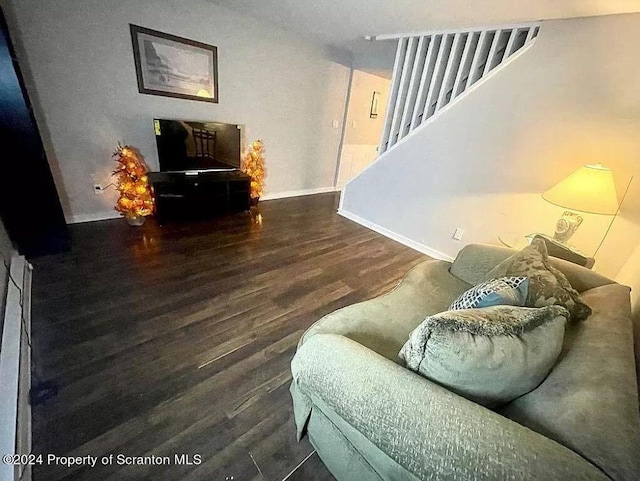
x=174 y=66
x=375 y=100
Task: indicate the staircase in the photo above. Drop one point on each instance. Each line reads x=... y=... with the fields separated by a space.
x=431 y=71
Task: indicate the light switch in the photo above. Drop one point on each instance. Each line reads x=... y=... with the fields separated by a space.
x=335 y=124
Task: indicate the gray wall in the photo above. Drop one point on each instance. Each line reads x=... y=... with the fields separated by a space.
x=78 y=55
x=375 y=57
x=572 y=99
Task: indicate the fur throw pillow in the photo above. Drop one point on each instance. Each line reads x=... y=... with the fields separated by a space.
x=490 y=355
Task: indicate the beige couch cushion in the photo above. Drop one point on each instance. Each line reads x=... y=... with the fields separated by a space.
x=474 y=261
x=589 y=401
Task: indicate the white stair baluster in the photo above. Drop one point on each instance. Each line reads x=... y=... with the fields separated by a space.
x=453 y=65
x=436 y=79
x=476 y=72
x=492 y=53
x=416 y=74
x=511 y=43
x=425 y=81
x=393 y=94
x=407 y=66
x=432 y=69
x=465 y=65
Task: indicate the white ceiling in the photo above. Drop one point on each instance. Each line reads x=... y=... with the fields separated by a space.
x=343 y=23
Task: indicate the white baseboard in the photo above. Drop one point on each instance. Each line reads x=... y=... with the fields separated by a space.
x=76 y=219
x=298 y=193
x=395 y=236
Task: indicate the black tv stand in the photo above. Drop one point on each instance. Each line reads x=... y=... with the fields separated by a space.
x=201 y=195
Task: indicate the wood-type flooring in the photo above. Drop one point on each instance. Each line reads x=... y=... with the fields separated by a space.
x=178 y=339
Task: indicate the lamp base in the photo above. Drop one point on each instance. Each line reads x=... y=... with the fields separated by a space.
x=566 y=226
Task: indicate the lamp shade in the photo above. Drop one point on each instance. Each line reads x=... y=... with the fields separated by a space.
x=589 y=189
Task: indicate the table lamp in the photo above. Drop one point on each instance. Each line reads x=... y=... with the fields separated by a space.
x=590 y=189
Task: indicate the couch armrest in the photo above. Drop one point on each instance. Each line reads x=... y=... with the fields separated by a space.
x=423 y=427
x=474 y=262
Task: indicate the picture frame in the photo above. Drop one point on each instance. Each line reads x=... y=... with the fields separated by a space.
x=173 y=66
x=375 y=100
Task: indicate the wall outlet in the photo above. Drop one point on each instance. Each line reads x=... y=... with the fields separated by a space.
x=98 y=189
x=458 y=233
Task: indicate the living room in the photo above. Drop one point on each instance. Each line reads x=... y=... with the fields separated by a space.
x=392 y=146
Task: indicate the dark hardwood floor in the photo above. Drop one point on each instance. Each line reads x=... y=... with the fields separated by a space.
x=178 y=339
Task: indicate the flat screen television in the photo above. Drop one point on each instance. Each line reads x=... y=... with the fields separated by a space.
x=185 y=145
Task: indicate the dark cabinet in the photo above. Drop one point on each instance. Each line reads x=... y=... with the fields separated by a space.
x=183 y=196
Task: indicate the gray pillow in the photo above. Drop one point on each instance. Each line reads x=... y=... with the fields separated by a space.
x=547 y=285
x=490 y=355
x=505 y=291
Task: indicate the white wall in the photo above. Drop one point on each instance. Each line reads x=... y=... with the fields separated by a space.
x=572 y=99
x=354 y=158
x=361 y=129
x=362 y=133
x=284 y=89
x=375 y=57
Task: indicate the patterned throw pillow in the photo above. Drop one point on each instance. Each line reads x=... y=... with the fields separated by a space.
x=505 y=291
x=547 y=285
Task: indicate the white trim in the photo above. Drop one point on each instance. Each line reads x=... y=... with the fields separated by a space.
x=298 y=193
x=395 y=36
x=77 y=219
x=24 y=440
x=467 y=91
x=343 y=133
x=10 y=355
x=395 y=236
x=342 y=187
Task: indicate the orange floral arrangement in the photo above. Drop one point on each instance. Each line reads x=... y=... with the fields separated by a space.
x=131 y=181
x=253 y=165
